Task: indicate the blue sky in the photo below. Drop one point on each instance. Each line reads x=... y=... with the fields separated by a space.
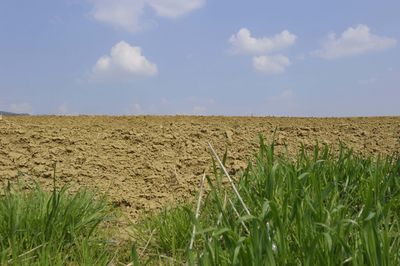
x=119 y=57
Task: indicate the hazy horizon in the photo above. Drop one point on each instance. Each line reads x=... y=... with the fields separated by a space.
x=198 y=57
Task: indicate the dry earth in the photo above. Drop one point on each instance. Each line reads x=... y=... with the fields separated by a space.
x=145 y=162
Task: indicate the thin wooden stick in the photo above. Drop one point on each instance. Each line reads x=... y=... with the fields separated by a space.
x=197 y=210
x=230 y=179
x=148 y=242
x=238 y=215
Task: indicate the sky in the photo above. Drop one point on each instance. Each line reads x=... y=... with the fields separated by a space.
x=200 y=57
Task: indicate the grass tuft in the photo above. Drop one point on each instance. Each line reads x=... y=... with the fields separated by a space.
x=319 y=208
x=41 y=228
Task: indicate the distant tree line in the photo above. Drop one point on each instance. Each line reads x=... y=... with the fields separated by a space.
x=10 y=114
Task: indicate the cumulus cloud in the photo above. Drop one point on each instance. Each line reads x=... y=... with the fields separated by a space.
x=175 y=8
x=127 y=14
x=353 y=41
x=274 y=64
x=124 y=61
x=243 y=43
x=263 y=48
x=122 y=14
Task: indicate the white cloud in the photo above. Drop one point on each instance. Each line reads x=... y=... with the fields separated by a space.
x=125 y=61
x=25 y=108
x=175 y=8
x=122 y=14
x=243 y=43
x=127 y=14
x=274 y=64
x=353 y=41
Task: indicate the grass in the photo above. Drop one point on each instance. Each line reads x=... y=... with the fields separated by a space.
x=321 y=207
x=164 y=236
x=42 y=228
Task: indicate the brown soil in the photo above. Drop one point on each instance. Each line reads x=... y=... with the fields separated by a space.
x=146 y=162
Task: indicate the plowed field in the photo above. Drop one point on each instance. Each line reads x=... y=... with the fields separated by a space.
x=146 y=162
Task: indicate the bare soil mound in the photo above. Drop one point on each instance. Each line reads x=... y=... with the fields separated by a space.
x=145 y=162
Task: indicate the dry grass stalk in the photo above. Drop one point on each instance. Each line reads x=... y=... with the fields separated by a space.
x=229 y=178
